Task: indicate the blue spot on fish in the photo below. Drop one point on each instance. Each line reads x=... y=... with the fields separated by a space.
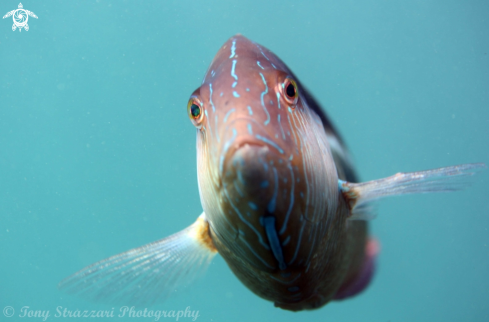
x=269 y=223
x=249 y=110
x=233 y=48
x=232 y=70
x=252 y=205
x=210 y=98
x=235 y=94
x=258 y=63
x=262 y=101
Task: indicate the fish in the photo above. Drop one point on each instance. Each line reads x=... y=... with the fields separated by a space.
x=281 y=199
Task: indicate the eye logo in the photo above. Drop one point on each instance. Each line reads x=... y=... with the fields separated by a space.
x=20 y=17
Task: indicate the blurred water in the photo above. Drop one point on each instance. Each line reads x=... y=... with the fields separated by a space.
x=97 y=154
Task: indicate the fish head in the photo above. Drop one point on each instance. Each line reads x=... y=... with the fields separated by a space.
x=265 y=172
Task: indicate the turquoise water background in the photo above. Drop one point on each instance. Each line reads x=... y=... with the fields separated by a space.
x=97 y=154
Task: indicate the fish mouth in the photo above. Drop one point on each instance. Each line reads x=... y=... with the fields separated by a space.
x=240 y=151
x=250 y=164
x=242 y=134
x=245 y=143
x=246 y=148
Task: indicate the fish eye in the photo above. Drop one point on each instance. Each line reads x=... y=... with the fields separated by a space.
x=291 y=93
x=195 y=111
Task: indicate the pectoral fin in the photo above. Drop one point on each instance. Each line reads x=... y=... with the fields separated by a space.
x=147 y=274
x=446 y=179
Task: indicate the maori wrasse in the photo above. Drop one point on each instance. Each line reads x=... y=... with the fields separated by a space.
x=278 y=192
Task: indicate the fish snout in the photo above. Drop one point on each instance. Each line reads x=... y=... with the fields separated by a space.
x=252 y=172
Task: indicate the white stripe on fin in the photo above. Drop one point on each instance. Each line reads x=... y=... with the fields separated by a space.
x=446 y=179
x=147 y=274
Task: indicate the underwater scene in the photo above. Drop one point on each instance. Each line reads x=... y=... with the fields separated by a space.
x=240 y=157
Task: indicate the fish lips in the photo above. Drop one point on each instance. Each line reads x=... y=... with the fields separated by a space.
x=252 y=174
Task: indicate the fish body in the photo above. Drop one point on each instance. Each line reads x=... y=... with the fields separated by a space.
x=264 y=157
x=278 y=192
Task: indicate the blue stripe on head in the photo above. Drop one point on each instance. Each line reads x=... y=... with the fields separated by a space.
x=233 y=48
x=262 y=101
